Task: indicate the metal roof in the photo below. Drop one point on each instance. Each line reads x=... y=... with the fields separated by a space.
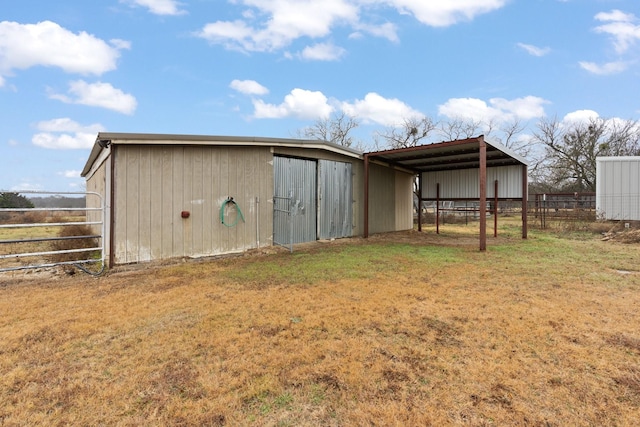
x=105 y=139
x=451 y=155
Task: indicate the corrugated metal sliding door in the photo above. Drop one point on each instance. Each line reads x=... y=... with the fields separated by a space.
x=295 y=190
x=335 y=200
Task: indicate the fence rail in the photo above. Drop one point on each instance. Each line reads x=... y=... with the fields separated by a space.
x=541 y=209
x=35 y=245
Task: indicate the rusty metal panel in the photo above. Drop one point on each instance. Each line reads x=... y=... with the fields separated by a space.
x=335 y=200
x=295 y=179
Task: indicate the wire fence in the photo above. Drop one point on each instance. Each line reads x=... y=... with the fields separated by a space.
x=542 y=209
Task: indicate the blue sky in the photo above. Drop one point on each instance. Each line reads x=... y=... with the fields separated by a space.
x=72 y=68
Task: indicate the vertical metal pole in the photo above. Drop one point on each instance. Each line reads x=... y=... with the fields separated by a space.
x=258 y=222
x=483 y=194
x=291 y=215
x=525 y=191
x=420 y=202
x=366 y=196
x=543 y=218
x=438 y=208
x=103 y=238
x=112 y=204
x=495 y=208
x=466 y=212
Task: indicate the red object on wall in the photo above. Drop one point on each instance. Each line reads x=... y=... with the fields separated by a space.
x=185 y=214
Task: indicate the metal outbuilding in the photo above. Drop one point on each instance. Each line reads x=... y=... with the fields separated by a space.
x=467 y=169
x=170 y=196
x=618 y=188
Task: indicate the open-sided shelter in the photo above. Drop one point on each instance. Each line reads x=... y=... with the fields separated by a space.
x=463 y=170
x=170 y=196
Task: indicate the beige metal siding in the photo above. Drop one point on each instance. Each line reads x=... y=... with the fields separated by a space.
x=404 y=201
x=154 y=184
x=357 y=169
x=390 y=200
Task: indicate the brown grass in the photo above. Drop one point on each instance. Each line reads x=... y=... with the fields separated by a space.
x=82 y=243
x=428 y=331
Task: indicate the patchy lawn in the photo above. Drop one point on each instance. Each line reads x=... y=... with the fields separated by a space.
x=400 y=329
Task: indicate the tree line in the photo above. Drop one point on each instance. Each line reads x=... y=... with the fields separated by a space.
x=562 y=154
x=15 y=200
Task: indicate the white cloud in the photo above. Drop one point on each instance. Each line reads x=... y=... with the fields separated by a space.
x=377 y=109
x=498 y=110
x=615 y=15
x=578 y=117
x=622 y=27
x=387 y=31
x=65 y=134
x=285 y=21
x=120 y=44
x=48 y=44
x=159 y=7
x=470 y=109
x=312 y=105
x=248 y=87
x=581 y=118
x=323 y=52
x=605 y=69
x=624 y=30
x=300 y=103
x=98 y=95
x=26 y=186
x=526 y=108
x=444 y=13
x=71 y=173
x=534 y=50
x=268 y=25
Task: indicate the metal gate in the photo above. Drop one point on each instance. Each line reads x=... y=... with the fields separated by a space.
x=294 y=216
x=40 y=234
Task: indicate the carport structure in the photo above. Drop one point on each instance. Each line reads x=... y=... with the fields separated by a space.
x=462 y=170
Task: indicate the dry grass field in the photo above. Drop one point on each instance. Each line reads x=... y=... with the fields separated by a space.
x=404 y=329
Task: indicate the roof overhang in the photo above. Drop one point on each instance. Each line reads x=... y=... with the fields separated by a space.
x=471 y=153
x=451 y=155
x=106 y=139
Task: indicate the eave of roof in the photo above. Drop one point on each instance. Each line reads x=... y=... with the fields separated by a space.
x=451 y=155
x=115 y=138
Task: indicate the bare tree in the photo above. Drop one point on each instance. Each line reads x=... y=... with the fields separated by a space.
x=510 y=134
x=459 y=128
x=571 y=150
x=410 y=133
x=507 y=133
x=335 y=128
